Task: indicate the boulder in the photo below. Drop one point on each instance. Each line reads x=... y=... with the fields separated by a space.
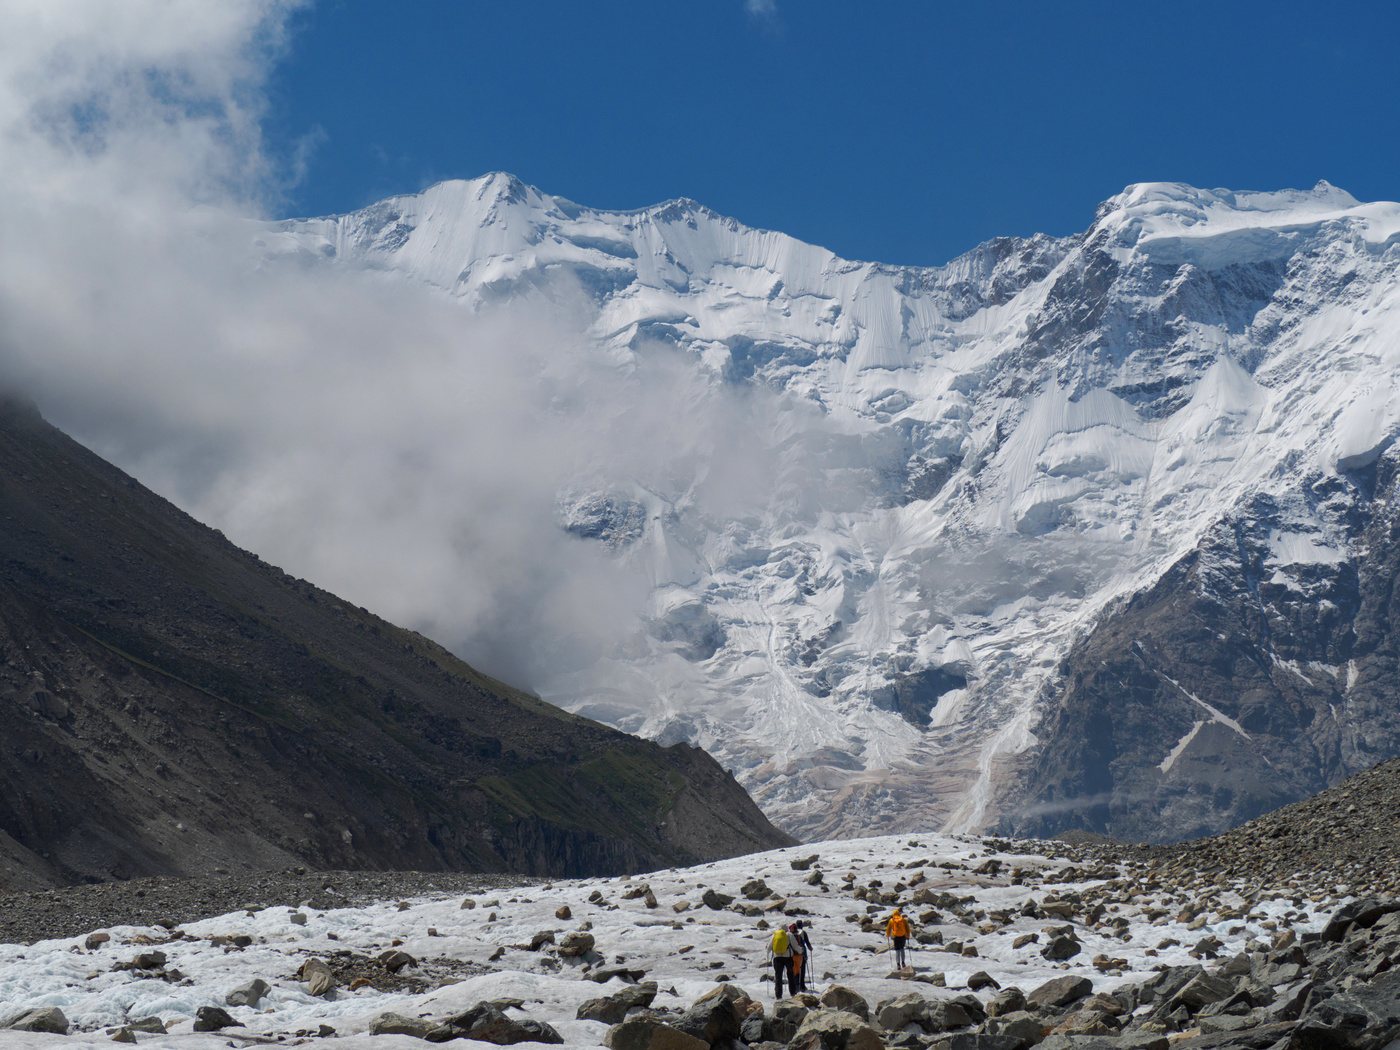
x=716 y=900
x=1084 y=1022
x=716 y=1016
x=894 y=1014
x=96 y=940
x=318 y=977
x=976 y=1041
x=248 y=994
x=803 y=863
x=960 y=1006
x=1360 y=913
x=1060 y=948
x=839 y=997
x=646 y=1033
x=1201 y=990
x=395 y=960
x=835 y=1030
x=576 y=943
x=1007 y=1001
x=1366 y=1017
x=40 y=1019
x=487 y=1023
x=563 y=912
x=612 y=1009
x=148 y=961
x=540 y=938
x=1025 y=1028
x=604 y=974
x=755 y=890
x=390 y=1023
x=982 y=979
x=1059 y=991
x=211 y=1019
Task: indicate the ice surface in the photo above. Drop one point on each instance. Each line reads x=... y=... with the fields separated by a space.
x=684 y=952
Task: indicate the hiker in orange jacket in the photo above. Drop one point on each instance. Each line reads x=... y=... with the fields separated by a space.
x=897 y=931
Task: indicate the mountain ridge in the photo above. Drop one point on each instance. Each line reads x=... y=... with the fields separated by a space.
x=1009 y=448
x=177 y=705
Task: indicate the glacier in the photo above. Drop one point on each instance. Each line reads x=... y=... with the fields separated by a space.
x=969 y=480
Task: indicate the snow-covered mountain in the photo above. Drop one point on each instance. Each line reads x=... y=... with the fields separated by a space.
x=1092 y=531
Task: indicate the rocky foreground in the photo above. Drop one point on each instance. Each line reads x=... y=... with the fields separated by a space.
x=1285 y=933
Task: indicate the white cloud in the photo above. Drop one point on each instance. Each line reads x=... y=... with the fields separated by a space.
x=354 y=428
x=765 y=9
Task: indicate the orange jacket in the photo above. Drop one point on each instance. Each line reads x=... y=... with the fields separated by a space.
x=898 y=926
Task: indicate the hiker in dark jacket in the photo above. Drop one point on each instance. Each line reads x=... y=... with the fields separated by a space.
x=801 y=943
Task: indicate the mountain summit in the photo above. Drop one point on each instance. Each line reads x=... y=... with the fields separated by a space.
x=1090 y=532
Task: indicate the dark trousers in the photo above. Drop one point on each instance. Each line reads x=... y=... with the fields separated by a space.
x=782 y=965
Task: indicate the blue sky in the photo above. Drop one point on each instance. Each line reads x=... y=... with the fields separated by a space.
x=903 y=132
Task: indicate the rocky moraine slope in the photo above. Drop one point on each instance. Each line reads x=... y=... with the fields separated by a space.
x=172 y=704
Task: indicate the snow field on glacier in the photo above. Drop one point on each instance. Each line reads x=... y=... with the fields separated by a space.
x=685 y=951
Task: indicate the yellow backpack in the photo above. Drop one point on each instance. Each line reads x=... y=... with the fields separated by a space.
x=780 y=941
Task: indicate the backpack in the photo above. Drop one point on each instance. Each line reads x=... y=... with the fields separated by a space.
x=780 y=942
x=899 y=926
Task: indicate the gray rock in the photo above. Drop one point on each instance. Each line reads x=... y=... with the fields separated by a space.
x=835 y=1030
x=1006 y=1001
x=1061 y=948
x=839 y=997
x=755 y=890
x=390 y=1023
x=976 y=1041
x=212 y=1019
x=1025 y=1028
x=395 y=960
x=716 y=900
x=909 y=1008
x=804 y=863
x=1059 y=991
x=40 y=1019
x=1201 y=990
x=576 y=943
x=487 y=1023
x=318 y=977
x=1362 y=913
x=96 y=940
x=248 y=994
x=612 y=1009
x=715 y=1017
x=604 y=974
x=540 y=939
x=1367 y=1017
x=646 y=1033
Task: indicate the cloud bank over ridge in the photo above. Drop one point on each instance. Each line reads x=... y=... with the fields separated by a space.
x=348 y=425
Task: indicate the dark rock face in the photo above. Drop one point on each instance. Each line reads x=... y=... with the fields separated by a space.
x=1230 y=688
x=174 y=705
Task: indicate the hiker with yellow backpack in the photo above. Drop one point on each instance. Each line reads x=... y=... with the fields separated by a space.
x=897 y=931
x=780 y=951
